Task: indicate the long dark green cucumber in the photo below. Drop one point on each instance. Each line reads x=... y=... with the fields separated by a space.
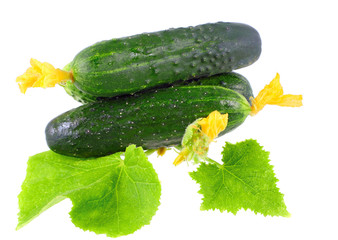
x=131 y=64
x=233 y=81
x=152 y=119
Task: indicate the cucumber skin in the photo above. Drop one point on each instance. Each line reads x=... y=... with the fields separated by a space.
x=153 y=119
x=232 y=80
x=128 y=65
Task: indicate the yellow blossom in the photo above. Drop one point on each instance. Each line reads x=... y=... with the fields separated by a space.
x=213 y=124
x=42 y=75
x=182 y=156
x=199 y=135
x=273 y=94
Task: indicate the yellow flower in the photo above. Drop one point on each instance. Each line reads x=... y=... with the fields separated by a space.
x=213 y=124
x=199 y=135
x=182 y=156
x=273 y=94
x=42 y=75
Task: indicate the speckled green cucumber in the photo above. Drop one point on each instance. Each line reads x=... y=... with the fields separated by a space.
x=152 y=119
x=233 y=81
x=131 y=64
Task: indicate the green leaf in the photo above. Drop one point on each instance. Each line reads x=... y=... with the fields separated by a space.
x=244 y=180
x=109 y=195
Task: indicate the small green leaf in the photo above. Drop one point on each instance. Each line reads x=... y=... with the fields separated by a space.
x=109 y=195
x=245 y=180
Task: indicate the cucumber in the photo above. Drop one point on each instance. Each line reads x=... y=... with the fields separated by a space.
x=233 y=81
x=131 y=64
x=150 y=119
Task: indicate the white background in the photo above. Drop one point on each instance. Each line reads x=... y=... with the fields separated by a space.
x=299 y=41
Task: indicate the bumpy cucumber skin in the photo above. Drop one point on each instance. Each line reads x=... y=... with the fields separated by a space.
x=152 y=119
x=233 y=81
x=77 y=94
x=74 y=92
x=131 y=64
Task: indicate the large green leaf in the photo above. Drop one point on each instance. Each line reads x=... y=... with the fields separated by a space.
x=109 y=195
x=245 y=180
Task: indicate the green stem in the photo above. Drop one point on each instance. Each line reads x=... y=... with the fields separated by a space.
x=150 y=151
x=209 y=160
